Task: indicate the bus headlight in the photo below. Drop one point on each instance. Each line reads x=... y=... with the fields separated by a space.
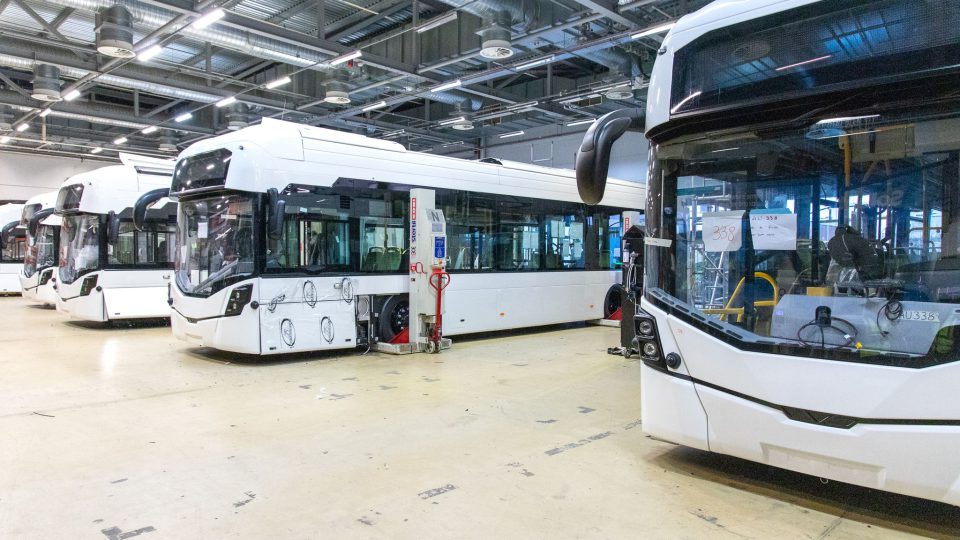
x=239 y=297
x=88 y=284
x=650 y=349
x=645 y=327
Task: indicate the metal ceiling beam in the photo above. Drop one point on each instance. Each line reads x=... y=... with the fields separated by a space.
x=608 y=8
x=14 y=86
x=360 y=25
x=42 y=22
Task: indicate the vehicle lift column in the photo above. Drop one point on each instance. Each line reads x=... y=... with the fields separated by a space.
x=428 y=276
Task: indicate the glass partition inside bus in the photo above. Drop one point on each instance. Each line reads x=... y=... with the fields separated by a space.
x=841 y=237
x=215 y=242
x=79 y=246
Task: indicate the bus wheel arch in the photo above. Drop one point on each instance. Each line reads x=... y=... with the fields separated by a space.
x=613 y=300
x=394 y=317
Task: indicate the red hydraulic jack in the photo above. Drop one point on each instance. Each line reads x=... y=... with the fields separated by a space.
x=439 y=280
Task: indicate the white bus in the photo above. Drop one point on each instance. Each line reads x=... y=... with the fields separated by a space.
x=801 y=301
x=108 y=268
x=295 y=238
x=12 y=248
x=42 y=248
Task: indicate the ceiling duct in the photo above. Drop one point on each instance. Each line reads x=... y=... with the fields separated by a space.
x=46 y=83
x=337 y=93
x=238 y=117
x=115 y=32
x=499 y=17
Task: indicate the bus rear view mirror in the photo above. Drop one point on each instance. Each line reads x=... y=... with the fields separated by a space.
x=113 y=227
x=278 y=208
x=34 y=224
x=593 y=157
x=144 y=202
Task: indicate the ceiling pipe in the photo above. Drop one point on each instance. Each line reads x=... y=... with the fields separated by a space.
x=228 y=38
x=95 y=113
x=165 y=90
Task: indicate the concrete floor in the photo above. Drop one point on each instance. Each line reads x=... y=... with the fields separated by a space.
x=127 y=432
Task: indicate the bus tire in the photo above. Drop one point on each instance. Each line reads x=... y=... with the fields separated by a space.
x=613 y=300
x=394 y=317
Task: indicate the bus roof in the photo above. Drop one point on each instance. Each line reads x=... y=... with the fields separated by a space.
x=275 y=154
x=9 y=213
x=713 y=16
x=117 y=187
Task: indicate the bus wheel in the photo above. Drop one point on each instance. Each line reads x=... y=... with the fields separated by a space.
x=613 y=301
x=394 y=317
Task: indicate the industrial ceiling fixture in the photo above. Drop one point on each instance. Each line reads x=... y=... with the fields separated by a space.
x=495 y=42
x=168 y=143
x=624 y=91
x=46 y=83
x=115 y=32
x=337 y=93
x=238 y=117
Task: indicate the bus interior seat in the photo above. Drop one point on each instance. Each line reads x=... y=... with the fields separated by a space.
x=390 y=260
x=372 y=260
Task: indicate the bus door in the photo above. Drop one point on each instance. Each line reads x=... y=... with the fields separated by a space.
x=307 y=294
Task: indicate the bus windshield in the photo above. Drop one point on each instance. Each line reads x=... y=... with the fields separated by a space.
x=215 y=239
x=42 y=251
x=80 y=249
x=842 y=236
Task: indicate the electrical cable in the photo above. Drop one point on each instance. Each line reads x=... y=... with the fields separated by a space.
x=851 y=336
x=892 y=310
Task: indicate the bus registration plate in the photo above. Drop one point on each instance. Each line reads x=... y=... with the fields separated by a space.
x=923 y=316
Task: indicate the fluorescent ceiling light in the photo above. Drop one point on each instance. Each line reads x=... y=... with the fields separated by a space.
x=847 y=119
x=149 y=53
x=725 y=150
x=535 y=63
x=148 y=130
x=4 y=139
x=512 y=134
x=226 y=101
x=71 y=95
x=684 y=101
x=447 y=86
x=277 y=83
x=23 y=127
x=526 y=105
x=183 y=117
x=96 y=150
x=345 y=58
x=44 y=113
x=452 y=121
x=437 y=21
x=655 y=30
x=394 y=133
x=581 y=122
x=805 y=62
x=378 y=105
x=209 y=18
x=119 y=140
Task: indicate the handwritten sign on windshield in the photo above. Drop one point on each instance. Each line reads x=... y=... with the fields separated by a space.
x=773 y=230
x=722 y=231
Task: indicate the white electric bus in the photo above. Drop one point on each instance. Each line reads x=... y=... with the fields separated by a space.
x=801 y=301
x=295 y=238
x=110 y=269
x=42 y=248
x=12 y=248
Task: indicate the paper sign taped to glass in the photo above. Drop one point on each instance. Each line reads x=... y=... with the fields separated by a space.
x=773 y=230
x=722 y=231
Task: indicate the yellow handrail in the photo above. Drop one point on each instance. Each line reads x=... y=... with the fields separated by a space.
x=727 y=310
